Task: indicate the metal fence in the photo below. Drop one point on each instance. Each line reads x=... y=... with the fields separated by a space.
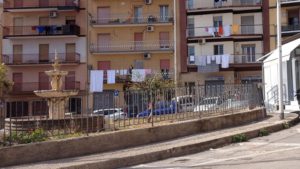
x=133 y=109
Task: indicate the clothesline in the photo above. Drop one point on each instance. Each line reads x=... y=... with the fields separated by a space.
x=223 y=60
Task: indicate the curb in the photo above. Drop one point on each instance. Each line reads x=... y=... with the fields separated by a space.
x=182 y=150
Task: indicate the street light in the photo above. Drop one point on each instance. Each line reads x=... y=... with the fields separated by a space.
x=280 y=82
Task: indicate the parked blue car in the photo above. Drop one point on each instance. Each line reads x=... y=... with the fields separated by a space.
x=161 y=108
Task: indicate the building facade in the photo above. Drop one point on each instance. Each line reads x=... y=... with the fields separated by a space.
x=223 y=41
x=126 y=35
x=33 y=31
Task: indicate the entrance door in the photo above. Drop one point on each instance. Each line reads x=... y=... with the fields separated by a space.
x=44 y=3
x=138 y=40
x=17 y=54
x=18 y=3
x=18 y=80
x=18 y=26
x=104 y=65
x=70 y=81
x=103 y=14
x=247 y=24
x=104 y=42
x=70 y=52
x=43 y=81
x=164 y=40
x=44 y=53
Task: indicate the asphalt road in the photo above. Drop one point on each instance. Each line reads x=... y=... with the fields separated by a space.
x=279 y=150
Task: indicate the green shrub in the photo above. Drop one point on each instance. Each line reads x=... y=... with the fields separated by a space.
x=239 y=138
x=37 y=135
x=286 y=125
x=263 y=132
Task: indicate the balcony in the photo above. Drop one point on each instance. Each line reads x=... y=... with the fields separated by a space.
x=290 y=28
x=225 y=31
x=29 y=87
x=235 y=60
x=40 y=5
x=287 y=2
x=119 y=47
x=41 y=31
x=118 y=20
x=39 y=59
x=211 y=6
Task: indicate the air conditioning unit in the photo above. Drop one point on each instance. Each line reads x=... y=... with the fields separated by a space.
x=148 y=2
x=150 y=28
x=147 y=55
x=53 y=14
x=201 y=41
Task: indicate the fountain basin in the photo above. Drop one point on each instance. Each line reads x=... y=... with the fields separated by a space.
x=55 y=93
x=56 y=73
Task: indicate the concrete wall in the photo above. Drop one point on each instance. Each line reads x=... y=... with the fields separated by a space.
x=120 y=139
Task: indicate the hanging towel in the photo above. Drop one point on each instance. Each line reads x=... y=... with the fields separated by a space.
x=227 y=30
x=111 y=77
x=218 y=59
x=138 y=75
x=40 y=29
x=235 y=29
x=225 y=61
x=211 y=30
x=220 y=31
x=96 y=78
x=208 y=59
x=192 y=59
x=213 y=58
x=125 y=71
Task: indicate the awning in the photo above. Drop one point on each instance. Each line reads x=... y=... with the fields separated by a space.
x=287 y=49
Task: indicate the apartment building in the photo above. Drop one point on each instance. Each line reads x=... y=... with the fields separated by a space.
x=33 y=30
x=126 y=35
x=224 y=38
x=290 y=20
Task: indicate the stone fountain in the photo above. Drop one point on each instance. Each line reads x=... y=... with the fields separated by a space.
x=57 y=98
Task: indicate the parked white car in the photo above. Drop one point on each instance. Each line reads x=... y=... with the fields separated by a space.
x=206 y=104
x=111 y=114
x=185 y=103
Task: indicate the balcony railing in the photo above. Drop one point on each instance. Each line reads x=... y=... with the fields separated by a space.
x=225 y=31
x=123 y=19
x=29 y=59
x=234 y=59
x=28 y=4
x=195 y=5
x=29 y=87
x=40 y=30
x=290 y=28
x=289 y=1
x=133 y=46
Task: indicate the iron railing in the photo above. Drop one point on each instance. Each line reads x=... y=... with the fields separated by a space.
x=234 y=59
x=290 y=28
x=27 y=4
x=194 y=5
x=28 y=59
x=41 y=30
x=211 y=31
x=132 y=46
x=132 y=108
x=123 y=19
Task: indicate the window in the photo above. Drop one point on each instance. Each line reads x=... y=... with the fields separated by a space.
x=138 y=64
x=104 y=65
x=190 y=4
x=164 y=40
x=138 y=18
x=247 y=25
x=39 y=108
x=248 y=54
x=164 y=13
x=70 y=20
x=218 y=21
x=191 y=54
x=75 y=105
x=191 y=27
x=17 y=109
x=218 y=49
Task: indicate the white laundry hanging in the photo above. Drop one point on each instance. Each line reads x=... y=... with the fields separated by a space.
x=225 y=61
x=138 y=75
x=96 y=78
x=227 y=30
x=208 y=59
x=111 y=77
x=218 y=59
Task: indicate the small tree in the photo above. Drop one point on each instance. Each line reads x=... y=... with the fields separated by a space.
x=152 y=85
x=5 y=84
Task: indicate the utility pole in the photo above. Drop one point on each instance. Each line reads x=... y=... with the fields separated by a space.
x=280 y=84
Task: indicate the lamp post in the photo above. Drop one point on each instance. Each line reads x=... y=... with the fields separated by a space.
x=280 y=82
